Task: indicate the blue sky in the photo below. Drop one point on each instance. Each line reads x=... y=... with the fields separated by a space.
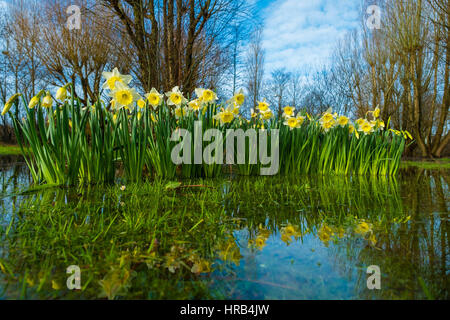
x=302 y=33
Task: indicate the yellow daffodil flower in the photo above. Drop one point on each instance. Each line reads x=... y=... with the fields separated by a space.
x=363 y=228
x=327 y=117
x=326 y=126
x=301 y=119
x=325 y=233
x=123 y=96
x=113 y=77
x=239 y=98
x=195 y=105
x=267 y=115
x=10 y=103
x=180 y=112
x=366 y=127
x=226 y=116
x=154 y=98
x=263 y=106
x=292 y=123
x=288 y=111
x=206 y=95
x=176 y=97
x=343 y=121
x=47 y=102
x=61 y=94
x=141 y=103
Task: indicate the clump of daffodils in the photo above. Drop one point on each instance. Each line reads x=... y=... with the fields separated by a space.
x=328 y=120
x=264 y=111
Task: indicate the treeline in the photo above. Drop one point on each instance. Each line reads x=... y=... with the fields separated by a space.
x=402 y=67
x=162 y=43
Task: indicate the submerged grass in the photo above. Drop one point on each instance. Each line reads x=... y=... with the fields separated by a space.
x=10 y=150
x=436 y=164
x=166 y=239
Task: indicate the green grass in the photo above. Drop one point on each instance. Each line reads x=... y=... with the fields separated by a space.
x=437 y=164
x=10 y=150
x=145 y=241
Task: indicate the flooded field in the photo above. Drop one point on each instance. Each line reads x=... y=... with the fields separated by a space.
x=305 y=237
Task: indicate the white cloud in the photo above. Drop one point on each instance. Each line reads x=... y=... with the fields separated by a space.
x=303 y=32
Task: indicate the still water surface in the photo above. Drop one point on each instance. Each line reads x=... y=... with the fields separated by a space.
x=302 y=238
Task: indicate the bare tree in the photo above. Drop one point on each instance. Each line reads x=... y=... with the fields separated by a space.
x=279 y=85
x=255 y=67
x=177 y=42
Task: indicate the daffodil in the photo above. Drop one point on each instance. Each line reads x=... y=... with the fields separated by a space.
x=10 y=103
x=253 y=114
x=353 y=130
x=141 y=103
x=376 y=112
x=206 y=95
x=115 y=77
x=267 y=115
x=225 y=116
x=372 y=239
x=326 y=126
x=61 y=94
x=301 y=119
x=236 y=110
x=47 y=102
x=154 y=98
x=260 y=242
x=291 y=231
x=360 y=121
x=239 y=98
x=366 y=127
x=195 y=105
x=33 y=102
x=180 y=112
x=325 y=233
x=263 y=106
x=343 y=121
x=363 y=228
x=327 y=117
x=409 y=135
x=123 y=96
x=288 y=111
x=292 y=123
x=176 y=97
